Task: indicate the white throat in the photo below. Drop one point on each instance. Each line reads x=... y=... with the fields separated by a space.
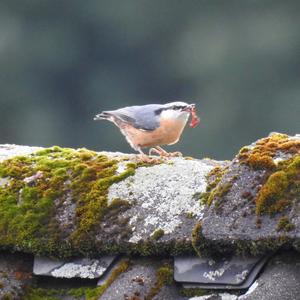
x=175 y=114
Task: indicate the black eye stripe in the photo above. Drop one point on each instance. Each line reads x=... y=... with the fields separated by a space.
x=175 y=107
x=178 y=107
x=158 y=111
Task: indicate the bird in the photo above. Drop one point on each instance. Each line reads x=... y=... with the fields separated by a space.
x=152 y=125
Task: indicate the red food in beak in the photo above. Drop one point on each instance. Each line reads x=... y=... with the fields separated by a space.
x=195 y=119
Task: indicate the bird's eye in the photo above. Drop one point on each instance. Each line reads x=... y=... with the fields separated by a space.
x=176 y=107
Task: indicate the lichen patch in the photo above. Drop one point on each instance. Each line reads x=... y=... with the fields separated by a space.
x=71 y=270
x=4 y=182
x=161 y=195
x=7 y=151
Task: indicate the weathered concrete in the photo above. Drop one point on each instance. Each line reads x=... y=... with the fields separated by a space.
x=153 y=211
x=9 y=150
x=280 y=279
x=127 y=207
x=232 y=221
x=141 y=281
x=163 y=197
x=15 y=274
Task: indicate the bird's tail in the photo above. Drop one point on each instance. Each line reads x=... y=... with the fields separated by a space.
x=102 y=116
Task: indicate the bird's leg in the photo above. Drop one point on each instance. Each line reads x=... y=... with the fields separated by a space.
x=155 y=151
x=142 y=155
x=161 y=152
x=144 y=158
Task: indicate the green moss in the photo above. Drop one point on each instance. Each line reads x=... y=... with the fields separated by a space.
x=220 y=191
x=261 y=246
x=42 y=294
x=152 y=247
x=122 y=267
x=87 y=292
x=282 y=184
x=164 y=276
x=258 y=223
x=146 y=248
x=190 y=215
x=196 y=238
x=261 y=155
x=78 y=292
x=281 y=188
x=117 y=203
x=192 y=292
x=204 y=247
x=157 y=234
x=213 y=178
x=244 y=150
x=28 y=203
x=284 y=224
x=7 y=296
x=188 y=158
x=273 y=189
x=181 y=247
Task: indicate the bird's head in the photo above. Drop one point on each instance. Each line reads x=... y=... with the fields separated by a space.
x=179 y=106
x=179 y=110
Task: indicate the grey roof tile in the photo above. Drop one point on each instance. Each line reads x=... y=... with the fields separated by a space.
x=234 y=272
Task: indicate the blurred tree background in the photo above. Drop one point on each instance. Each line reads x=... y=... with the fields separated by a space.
x=61 y=62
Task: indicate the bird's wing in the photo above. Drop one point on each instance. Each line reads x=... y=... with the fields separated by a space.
x=140 y=117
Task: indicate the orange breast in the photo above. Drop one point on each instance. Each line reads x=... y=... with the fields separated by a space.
x=168 y=133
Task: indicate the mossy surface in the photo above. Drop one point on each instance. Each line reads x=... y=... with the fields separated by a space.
x=152 y=247
x=281 y=188
x=284 y=224
x=282 y=178
x=9 y=296
x=281 y=183
x=201 y=246
x=256 y=210
x=193 y=292
x=197 y=238
x=261 y=155
x=39 y=184
x=86 y=293
x=122 y=267
x=42 y=294
x=157 y=234
x=164 y=276
x=213 y=190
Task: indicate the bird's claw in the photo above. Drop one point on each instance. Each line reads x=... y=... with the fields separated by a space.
x=146 y=159
x=175 y=154
x=163 y=153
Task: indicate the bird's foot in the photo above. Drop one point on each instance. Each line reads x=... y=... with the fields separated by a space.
x=162 y=153
x=146 y=159
x=175 y=154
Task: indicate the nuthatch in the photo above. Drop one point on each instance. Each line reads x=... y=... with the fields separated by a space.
x=152 y=125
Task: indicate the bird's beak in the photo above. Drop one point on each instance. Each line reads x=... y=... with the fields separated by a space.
x=189 y=108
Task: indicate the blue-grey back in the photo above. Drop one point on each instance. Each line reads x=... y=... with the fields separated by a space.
x=142 y=117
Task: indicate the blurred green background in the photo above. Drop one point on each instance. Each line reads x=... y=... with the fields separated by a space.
x=61 y=62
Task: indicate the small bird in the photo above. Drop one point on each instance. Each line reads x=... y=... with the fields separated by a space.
x=152 y=125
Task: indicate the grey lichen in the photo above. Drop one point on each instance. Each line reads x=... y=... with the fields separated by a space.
x=162 y=196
